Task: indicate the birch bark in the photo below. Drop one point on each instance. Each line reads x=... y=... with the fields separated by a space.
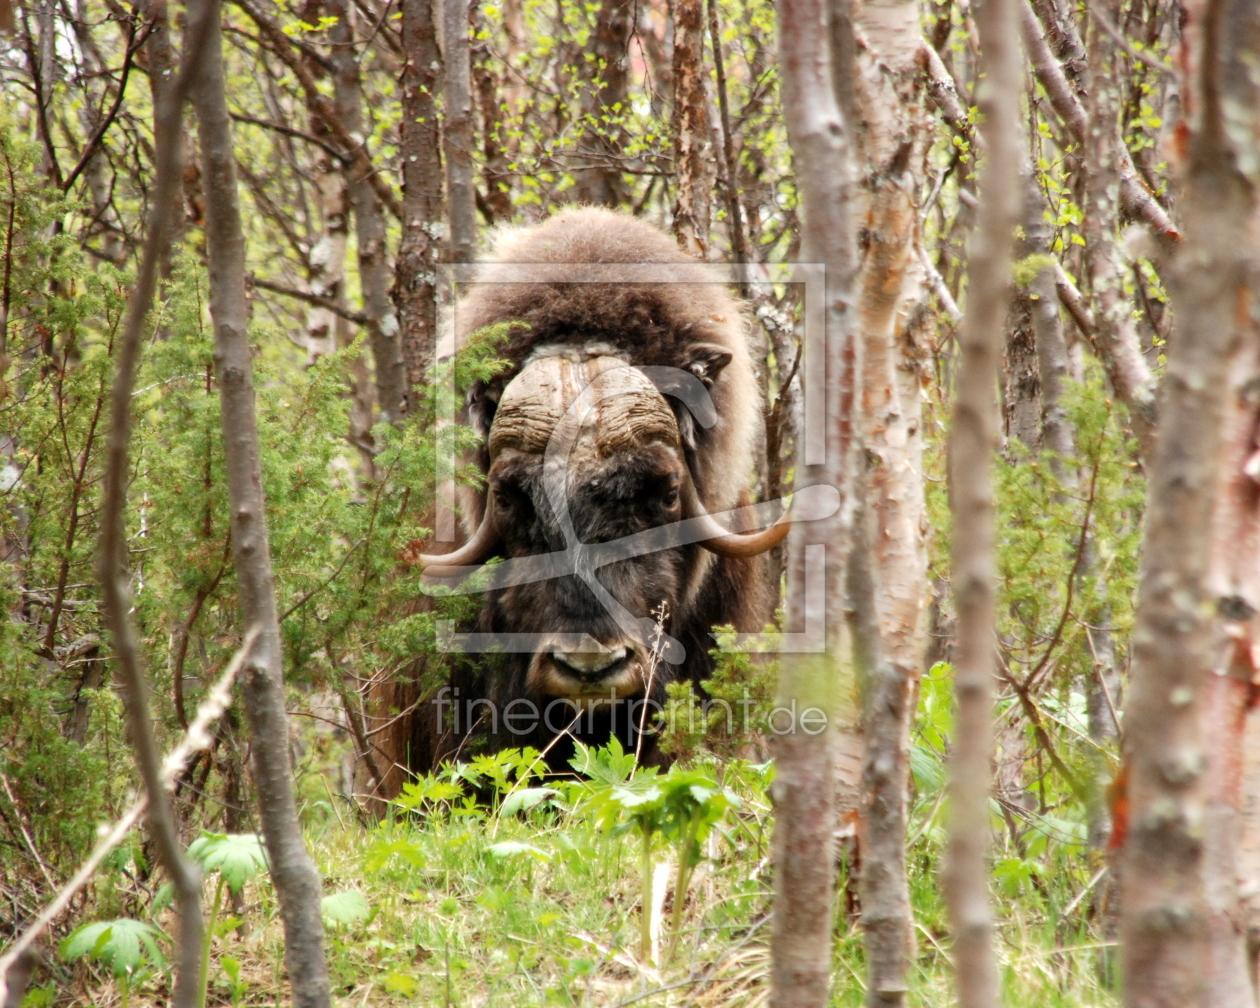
x=810 y=767
x=1115 y=335
x=891 y=137
x=971 y=444
x=1178 y=888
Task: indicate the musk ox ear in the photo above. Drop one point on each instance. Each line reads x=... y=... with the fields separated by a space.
x=706 y=361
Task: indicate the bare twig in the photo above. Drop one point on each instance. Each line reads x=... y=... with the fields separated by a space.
x=358 y=318
x=353 y=149
x=730 y=165
x=1105 y=24
x=940 y=288
x=1089 y=886
x=26 y=836
x=296 y=134
x=95 y=142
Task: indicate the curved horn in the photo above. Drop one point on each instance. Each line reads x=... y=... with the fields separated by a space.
x=477 y=550
x=732 y=544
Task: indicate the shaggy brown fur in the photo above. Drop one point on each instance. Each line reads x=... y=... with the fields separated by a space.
x=645 y=324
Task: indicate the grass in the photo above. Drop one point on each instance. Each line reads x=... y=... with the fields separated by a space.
x=464 y=904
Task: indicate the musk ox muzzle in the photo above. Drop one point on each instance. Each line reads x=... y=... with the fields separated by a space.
x=586 y=452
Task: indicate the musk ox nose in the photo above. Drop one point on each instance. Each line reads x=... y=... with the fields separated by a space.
x=588 y=664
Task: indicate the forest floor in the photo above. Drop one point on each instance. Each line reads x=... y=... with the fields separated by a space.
x=524 y=893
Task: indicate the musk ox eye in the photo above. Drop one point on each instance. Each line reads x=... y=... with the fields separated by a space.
x=502 y=500
x=670 y=497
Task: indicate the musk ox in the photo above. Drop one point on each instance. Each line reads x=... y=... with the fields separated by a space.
x=626 y=420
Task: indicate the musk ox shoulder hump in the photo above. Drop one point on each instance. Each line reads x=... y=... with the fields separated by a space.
x=646 y=301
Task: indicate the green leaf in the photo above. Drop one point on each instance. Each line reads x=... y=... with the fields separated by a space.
x=526 y=799
x=609 y=764
x=344 y=907
x=237 y=857
x=511 y=848
x=123 y=944
x=427 y=789
x=163 y=898
x=401 y=983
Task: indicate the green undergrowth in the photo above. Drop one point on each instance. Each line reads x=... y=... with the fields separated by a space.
x=486 y=885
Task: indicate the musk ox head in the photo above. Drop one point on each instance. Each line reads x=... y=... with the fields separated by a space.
x=589 y=475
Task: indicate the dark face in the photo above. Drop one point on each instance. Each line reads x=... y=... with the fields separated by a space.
x=627 y=492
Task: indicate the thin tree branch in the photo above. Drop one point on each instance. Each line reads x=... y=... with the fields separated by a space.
x=296 y=134
x=112 y=556
x=318 y=300
x=324 y=584
x=108 y=121
x=354 y=149
x=1136 y=200
x=1105 y=24
x=944 y=93
x=1074 y=302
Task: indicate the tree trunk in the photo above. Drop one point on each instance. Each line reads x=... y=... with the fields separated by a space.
x=738 y=237
x=971 y=444
x=809 y=766
x=457 y=135
x=415 y=269
x=604 y=104
x=1181 y=945
x=693 y=156
x=1115 y=336
x=415 y=294
x=369 y=225
x=262 y=684
x=1234 y=583
x=1053 y=367
x=326 y=277
x=1021 y=379
x=495 y=175
x=892 y=139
